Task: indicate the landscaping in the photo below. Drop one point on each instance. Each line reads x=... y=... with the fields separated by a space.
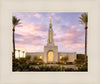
x=37 y=65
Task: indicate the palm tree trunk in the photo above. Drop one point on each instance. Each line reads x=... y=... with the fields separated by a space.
x=86 y=44
x=13 y=43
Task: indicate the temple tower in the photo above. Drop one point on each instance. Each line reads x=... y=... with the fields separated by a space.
x=50 y=50
x=50 y=35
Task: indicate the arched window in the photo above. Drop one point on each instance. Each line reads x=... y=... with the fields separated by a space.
x=50 y=56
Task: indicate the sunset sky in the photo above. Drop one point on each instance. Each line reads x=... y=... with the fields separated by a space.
x=32 y=34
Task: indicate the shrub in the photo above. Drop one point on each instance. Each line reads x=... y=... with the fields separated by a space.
x=69 y=69
x=69 y=63
x=37 y=60
x=27 y=57
x=81 y=56
x=83 y=67
x=64 y=59
x=79 y=61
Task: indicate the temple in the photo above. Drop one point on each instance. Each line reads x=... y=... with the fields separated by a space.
x=51 y=54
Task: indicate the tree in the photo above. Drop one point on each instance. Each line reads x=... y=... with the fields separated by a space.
x=84 y=20
x=15 y=22
x=35 y=58
x=81 y=56
x=27 y=57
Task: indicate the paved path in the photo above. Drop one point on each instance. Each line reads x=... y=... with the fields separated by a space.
x=66 y=66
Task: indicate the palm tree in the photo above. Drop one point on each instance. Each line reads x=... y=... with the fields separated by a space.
x=84 y=20
x=15 y=22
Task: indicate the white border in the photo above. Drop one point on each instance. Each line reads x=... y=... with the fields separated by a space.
x=9 y=77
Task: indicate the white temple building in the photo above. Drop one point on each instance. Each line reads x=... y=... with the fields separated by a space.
x=51 y=54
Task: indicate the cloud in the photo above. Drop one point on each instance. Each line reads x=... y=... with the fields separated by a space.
x=71 y=38
x=31 y=28
x=37 y=15
x=28 y=48
x=31 y=35
x=29 y=42
x=53 y=14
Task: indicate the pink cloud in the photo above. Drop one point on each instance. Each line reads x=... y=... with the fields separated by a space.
x=69 y=34
x=71 y=38
x=20 y=46
x=26 y=29
x=72 y=27
x=52 y=14
x=57 y=18
x=49 y=17
x=76 y=47
x=31 y=28
x=31 y=37
x=35 y=37
x=37 y=15
x=28 y=48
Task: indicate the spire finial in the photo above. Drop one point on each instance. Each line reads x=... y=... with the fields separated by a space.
x=50 y=20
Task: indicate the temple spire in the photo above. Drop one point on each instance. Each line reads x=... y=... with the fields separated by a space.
x=50 y=34
x=50 y=20
x=50 y=23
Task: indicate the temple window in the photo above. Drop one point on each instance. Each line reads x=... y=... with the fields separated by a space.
x=60 y=57
x=40 y=57
x=50 y=56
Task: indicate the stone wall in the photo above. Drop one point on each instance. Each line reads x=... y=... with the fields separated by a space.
x=71 y=56
x=50 y=48
x=33 y=54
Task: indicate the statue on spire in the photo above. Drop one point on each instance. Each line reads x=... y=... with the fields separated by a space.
x=50 y=23
x=50 y=20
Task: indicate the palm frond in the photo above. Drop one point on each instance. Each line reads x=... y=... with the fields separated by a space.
x=15 y=21
x=84 y=18
x=81 y=22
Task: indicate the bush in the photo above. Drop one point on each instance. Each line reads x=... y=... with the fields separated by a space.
x=23 y=64
x=69 y=69
x=27 y=57
x=79 y=61
x=83 y=67
x=64 y=59
x=37 y=60
x=81 y=56
x=69 y=63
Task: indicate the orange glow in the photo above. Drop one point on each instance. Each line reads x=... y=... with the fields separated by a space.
x=40 y=57
x=50 y=56
x=60 y=57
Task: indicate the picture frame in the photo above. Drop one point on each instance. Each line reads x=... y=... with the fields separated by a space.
x=7 y=7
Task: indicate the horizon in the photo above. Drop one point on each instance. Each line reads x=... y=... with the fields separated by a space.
x=68 y=33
